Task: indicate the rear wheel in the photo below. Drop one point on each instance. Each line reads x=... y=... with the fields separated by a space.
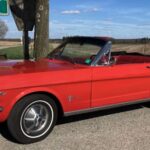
x=32 y=118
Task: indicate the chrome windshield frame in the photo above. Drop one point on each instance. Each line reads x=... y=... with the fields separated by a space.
x=105 y=50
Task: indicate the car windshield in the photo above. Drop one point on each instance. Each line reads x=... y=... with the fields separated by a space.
x=76 y=52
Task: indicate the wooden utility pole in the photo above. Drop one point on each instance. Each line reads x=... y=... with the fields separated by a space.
x=41 y=39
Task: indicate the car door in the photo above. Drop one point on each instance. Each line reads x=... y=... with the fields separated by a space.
x=120 y=83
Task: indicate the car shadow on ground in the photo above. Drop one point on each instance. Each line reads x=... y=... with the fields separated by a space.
x=100 y=113
x=5 y=133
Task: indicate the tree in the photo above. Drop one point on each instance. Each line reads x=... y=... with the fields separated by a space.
x=41 y=39
x=3 y=29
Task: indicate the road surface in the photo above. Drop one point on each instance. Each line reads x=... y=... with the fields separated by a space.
x=126 y=128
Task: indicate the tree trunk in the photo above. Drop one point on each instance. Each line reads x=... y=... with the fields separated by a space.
x=41 y=43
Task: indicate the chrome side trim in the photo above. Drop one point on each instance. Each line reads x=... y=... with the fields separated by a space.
x=72 y=113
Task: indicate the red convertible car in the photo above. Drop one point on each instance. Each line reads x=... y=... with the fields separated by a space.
x=80 y=75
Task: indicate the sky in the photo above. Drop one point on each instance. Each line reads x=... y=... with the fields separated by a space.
x=113 y=18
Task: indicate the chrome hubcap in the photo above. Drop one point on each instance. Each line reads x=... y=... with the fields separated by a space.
x=36 y=119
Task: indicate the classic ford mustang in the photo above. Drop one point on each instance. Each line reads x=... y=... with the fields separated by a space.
x=80 y=75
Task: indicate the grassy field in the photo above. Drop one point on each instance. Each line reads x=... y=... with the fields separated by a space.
x=141 y=48
x=14 y=50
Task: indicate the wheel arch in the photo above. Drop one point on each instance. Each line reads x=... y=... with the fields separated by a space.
x=49 y=94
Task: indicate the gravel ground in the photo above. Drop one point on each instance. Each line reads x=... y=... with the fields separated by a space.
x=126 y=128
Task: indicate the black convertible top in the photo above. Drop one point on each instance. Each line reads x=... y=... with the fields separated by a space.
x=85 y=39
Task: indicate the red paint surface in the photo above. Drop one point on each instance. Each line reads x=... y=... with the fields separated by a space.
x=89 y=86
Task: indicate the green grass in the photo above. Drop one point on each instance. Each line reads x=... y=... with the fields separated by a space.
x=16 y=52
x=13 y=52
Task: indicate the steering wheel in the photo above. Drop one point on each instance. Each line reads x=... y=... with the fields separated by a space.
x=92 y=57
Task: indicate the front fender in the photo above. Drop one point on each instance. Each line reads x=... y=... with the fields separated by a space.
x=9 y=100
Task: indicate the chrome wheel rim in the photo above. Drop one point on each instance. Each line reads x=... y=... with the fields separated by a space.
x=37 y=119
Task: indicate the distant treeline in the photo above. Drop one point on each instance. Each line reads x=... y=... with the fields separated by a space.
x=131 y=41
x=115 y=41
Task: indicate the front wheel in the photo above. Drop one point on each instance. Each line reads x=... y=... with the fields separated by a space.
x=32 y=118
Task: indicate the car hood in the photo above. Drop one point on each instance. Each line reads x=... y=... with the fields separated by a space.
x=21 y=74
x=11 y=67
